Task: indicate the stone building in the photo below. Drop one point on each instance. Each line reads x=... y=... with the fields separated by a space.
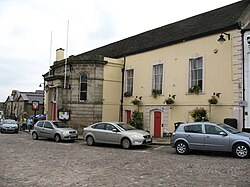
x=204 y=51
x=82 y=95
x=20 y=103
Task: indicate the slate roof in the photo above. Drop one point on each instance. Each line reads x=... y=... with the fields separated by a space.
x=33 y=96
x=212 y=22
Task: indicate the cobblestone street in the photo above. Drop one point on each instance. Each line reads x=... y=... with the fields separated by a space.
x=26 y=162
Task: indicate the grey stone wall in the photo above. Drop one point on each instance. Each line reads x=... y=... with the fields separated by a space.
x=83 y=113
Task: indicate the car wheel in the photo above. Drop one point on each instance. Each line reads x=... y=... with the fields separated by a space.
x=241 y=150
x=126 y=144
x=34 y=136
x=181 y=148
x=90 y=140
x=57 y=137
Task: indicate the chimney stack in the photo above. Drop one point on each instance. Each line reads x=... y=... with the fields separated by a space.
x=59 y=54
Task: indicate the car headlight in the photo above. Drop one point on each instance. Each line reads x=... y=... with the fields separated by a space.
x=136 y=136
x=65 y=132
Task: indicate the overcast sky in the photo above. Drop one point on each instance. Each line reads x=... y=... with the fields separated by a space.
x=26 y=27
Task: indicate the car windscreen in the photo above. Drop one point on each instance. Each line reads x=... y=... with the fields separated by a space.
x=228 y=128
x=9 y=122
x=60 y=125
x=125 y=126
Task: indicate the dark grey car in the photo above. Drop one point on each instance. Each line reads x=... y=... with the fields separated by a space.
x=56 y=130
x=208 y=136
x=8 y=125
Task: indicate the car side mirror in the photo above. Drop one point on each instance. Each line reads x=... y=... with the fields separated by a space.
x=115 y=130
x=223 y=133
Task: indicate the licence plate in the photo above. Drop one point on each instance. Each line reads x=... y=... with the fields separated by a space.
x=148 y=140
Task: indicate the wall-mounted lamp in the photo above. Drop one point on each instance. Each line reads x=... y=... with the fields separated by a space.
x=217 y=94
x=40 y=85
x=222 y=39
x=173 y=96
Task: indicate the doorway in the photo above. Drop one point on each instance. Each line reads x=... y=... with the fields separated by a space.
x=157 y=124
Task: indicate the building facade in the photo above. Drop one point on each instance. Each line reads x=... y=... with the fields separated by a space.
x=19 y=104
x=189 y=62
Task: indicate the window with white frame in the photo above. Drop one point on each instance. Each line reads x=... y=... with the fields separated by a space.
x=83 y=87
x=129 y=81
x=157 y=77
x=196 y=73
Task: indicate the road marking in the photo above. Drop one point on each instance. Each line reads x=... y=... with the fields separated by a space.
x=159 y=147
x=138 y=151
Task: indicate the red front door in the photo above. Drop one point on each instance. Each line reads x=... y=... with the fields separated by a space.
x=54 y=111
x=128 y=113
x=157 y=124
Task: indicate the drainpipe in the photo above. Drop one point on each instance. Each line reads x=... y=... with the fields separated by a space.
x=243 y=79
x=122 y=90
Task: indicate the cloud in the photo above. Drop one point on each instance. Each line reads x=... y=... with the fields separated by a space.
x=26 y=27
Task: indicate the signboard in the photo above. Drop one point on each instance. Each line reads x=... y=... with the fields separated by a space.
x=35 y=105
x=63 y=115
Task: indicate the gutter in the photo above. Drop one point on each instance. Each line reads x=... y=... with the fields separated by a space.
x=122 y=89
x=243 y=79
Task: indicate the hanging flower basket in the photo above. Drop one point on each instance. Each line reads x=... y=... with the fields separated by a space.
x=137 y=102
x=169 y=101
x=213 y=100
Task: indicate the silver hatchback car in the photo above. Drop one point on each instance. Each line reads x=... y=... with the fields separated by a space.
x=208 y=136
x=116 y=133
x=56 y=130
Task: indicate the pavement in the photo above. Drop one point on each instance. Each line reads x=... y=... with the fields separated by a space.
x=156 y=141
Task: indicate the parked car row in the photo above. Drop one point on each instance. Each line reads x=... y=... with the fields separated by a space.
x=103 y=132
x=203 y=136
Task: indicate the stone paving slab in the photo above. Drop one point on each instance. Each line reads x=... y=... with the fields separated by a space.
x=26 y=162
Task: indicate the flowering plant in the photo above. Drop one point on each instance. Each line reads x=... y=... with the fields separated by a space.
x=155 y=93
x=169 y=101
x=199 y=114
x=137 y=101
x=213 y=99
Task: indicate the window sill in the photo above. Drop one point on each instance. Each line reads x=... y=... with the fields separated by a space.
x=200 y=93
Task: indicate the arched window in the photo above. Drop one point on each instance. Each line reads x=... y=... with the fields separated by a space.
x=83 y=87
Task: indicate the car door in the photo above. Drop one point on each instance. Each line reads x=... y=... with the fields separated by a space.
x=112 y=134
x=48 y=130
x=39 y=128
x=215 y=138
x=99 y=132
x=193 y=134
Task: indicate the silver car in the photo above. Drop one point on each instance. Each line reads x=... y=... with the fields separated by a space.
x=9 y=125
x=116 y=133
x=56 y=130
x=208 y=136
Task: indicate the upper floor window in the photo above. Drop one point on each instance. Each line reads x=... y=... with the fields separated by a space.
x=157 y=77
x=83 y=87
x=129 y=81
x=196 y=74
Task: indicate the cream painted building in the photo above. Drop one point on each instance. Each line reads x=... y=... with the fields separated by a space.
x=171 y=59
x=217 y=71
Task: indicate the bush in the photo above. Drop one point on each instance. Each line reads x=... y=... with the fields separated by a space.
x=199 y=114
x=137 y=120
